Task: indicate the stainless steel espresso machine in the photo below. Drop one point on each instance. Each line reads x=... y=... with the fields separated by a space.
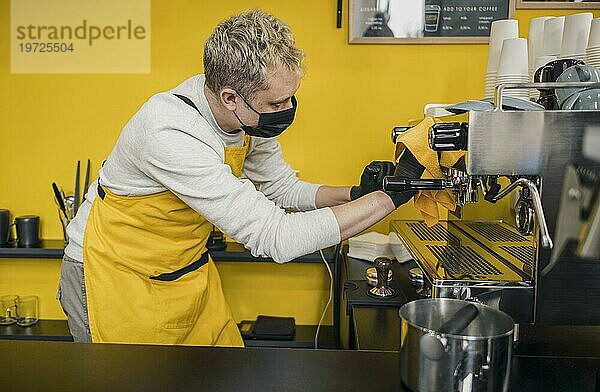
x=525 y=237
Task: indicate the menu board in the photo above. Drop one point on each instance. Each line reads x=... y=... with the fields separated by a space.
x=387 y=21
x=462 y=18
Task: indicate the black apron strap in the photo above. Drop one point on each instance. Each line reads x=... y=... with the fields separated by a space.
x=171 y=276
x=188 y=101
x=185 y=99
x=101 y=192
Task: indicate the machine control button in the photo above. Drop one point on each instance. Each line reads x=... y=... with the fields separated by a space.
x=448 y=136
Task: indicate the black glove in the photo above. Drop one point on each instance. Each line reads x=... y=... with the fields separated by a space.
x=371 y=179
x=407 y=167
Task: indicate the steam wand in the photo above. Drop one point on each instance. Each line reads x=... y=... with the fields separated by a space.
x=537 y=207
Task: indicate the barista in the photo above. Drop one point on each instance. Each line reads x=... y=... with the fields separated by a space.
x=136 y=269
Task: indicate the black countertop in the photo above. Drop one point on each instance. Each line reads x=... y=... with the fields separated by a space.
x=57 y=366
x=64 y=367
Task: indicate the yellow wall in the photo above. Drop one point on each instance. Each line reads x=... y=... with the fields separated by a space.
x=351 y=96
x=295 y=289
x=33 y=277
x=298 y=290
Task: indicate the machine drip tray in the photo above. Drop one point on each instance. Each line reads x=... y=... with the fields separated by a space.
x=476 y=251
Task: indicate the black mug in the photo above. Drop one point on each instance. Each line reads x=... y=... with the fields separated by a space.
x=4 y=227
x=28 y=231
x=549 y=73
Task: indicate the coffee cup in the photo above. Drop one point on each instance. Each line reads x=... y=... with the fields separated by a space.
x=576 y=73
x=583 y=100
x=28 y=231
x=4 y=227
x=552 y=70
x=552 y=36
x=549 y=73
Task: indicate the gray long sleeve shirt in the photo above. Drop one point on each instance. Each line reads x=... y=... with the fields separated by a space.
x=167 y=145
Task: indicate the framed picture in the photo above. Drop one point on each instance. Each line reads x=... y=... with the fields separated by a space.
x=425 y=21
x=590 y=4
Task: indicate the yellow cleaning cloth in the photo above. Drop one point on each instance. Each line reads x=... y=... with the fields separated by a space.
x=416 y=140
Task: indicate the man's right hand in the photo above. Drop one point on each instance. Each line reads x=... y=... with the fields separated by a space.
x=364 y=212
x=371 y=179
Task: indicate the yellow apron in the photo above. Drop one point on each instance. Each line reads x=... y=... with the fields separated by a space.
x=148 y=275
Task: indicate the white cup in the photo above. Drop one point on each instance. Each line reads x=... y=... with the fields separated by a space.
x=490 y=84
x=519 y=93
x=501 y=30
x=513 y=58
x=594 y=37
x=553 y=32
x=575 y=34
x=535 y=38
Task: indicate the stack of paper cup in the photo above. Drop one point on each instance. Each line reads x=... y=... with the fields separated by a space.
x=534 y=48
x=501 y=30
x=513 y=66
x=592 y=52
x=575 y=36
x=552 y=39
x=540 y=61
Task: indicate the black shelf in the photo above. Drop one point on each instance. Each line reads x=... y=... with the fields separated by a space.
x=54 y=249
x=46 y=330
x=303 y=338
x=58 y=330
x=237 y=252
x=234 y=252
x=48 y=249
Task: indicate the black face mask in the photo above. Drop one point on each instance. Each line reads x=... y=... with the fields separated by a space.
x=270 y=124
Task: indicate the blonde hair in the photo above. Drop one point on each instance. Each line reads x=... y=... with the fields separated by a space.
x=242 y=50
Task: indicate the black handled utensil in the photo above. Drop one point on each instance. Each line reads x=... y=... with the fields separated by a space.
x=86 y=182
x=431 y=346
x=460 y=320
x=403 y=184
x=59 y=199
x=76 y=193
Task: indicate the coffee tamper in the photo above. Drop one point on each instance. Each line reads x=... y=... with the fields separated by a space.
x=382 y=290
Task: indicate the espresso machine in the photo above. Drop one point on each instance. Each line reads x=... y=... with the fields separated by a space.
x=525 y=236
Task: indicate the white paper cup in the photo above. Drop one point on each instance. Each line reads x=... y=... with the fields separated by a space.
x=513 y=58
x=500 y=30
x=542 y=60
x=535 y=38
x=512 y=80
x=579 y=56
x=594 y=37
x=575 y=34
x=553 y=32
x=490 y=83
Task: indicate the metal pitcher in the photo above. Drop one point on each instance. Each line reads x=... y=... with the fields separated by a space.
x=454 y=345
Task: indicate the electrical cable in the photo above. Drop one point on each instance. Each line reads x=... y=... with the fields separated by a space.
x=336 y=252
x=328 y=301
